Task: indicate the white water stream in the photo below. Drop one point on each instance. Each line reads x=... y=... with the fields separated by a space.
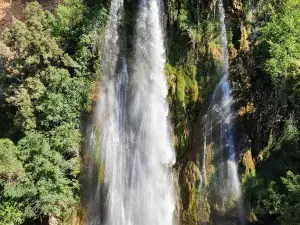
x=218 y=132
x=132 y=117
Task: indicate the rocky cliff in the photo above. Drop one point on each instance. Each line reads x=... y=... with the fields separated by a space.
x=10 y=9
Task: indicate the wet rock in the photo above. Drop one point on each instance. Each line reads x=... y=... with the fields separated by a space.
x=189 y=181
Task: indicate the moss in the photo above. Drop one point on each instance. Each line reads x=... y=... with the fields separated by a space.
x=204 y=206
x=195 y=34
x=77 y=217
x=248 y=109
x=192 y=89
x=193 y=210
x=267 y=150
x=252 y=217
x=210 y=168
x=180 y=87
x=208 y=87
x=101 y=172
x=97 y=144
x=193 y=57
x=195 y=92
x=215 y=49
x=248 y=162
x=189 y=180
x=97 y=154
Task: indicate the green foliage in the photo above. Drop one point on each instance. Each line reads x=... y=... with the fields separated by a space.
x=183 y=94
x=266 y=190
x=24 y=118
x=33 y=178
x=32 y=43
x=180 y=88
x=63 y=99
x=66 y=139
x=10 y=166
x=282 y=35
x=192 y=58
x=268 y=148
x=46 y=190
x=10 y=215
x=290 y=208
x=69 y=14
x=48 y=66
x=291 y=139
x=63 y=142
x=11 y=173
x=277 y=55
x=270 y=201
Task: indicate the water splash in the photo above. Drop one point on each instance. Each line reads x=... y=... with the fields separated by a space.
x=136 y=152
x=218 y=133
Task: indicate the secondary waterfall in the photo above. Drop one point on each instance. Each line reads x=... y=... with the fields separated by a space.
x=131 y=134
x=107 y=141
x=218 y=136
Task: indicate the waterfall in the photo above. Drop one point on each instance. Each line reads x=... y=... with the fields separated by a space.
x=151 y=196
x=107 y=135
x=218 y=134
x=135 y=185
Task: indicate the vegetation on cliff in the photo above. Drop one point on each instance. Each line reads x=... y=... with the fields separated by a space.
x=269 y=71
x=49 y=67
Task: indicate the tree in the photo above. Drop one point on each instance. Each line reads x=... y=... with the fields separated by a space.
x=47 y=67
x=282 y=35
x=11 y=174
x=46 y=191
x=290 y=208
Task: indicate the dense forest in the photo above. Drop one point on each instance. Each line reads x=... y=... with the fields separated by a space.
x=50 y=73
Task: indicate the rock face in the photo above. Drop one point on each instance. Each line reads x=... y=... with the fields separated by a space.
x=190 y=209
x=204 y=210
x=10 y=9
x=189 y=180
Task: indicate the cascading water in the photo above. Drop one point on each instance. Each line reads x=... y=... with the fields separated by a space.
x=151 y=196
x=218 y=135
x=107 y=132
x=136 y=152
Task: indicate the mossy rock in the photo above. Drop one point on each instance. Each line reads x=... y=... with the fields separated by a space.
x=248 y=162
x=189 y=182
